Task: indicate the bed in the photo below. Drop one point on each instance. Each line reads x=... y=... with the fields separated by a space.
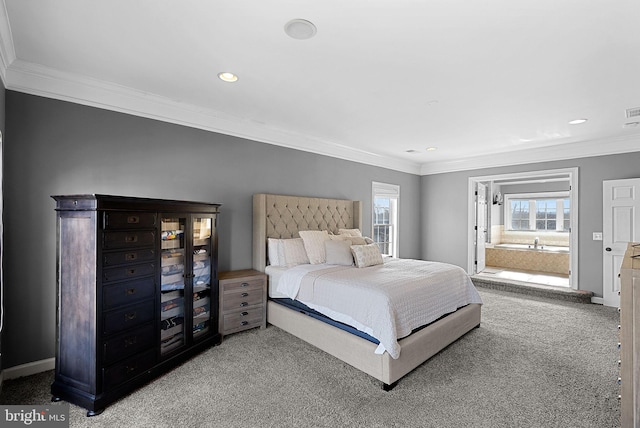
x=283 y=217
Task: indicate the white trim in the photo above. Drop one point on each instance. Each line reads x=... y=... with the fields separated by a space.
x=570 y=150
x=29 y=369
x=597 y=300
x=572 y=174
x=392 y=191
x=7 y=51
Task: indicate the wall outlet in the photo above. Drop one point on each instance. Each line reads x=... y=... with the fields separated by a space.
x=597 y=236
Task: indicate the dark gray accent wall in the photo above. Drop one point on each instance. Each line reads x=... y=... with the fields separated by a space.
x=54 y=147
x=444 y=210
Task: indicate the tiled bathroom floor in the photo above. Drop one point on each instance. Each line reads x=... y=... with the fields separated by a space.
x=525 y=276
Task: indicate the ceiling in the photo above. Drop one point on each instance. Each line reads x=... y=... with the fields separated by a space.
x=486 y=83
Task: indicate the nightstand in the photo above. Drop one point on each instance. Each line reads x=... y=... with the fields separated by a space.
x=243 y=300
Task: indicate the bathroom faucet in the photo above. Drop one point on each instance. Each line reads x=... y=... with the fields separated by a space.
x=535 y=242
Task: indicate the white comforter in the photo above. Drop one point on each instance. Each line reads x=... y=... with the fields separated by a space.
x=387 y=301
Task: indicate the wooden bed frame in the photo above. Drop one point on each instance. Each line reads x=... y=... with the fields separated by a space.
x=280 y=216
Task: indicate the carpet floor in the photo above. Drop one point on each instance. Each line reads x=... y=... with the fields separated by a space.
x=534 y=362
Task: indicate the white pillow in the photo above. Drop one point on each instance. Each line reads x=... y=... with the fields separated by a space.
x=350 y=232
x=338 y=252
x=366 y=255
x=287 y=252
x=314 y=245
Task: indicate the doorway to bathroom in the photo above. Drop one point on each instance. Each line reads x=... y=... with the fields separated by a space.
x=524 y=227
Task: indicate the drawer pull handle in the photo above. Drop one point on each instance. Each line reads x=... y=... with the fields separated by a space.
x=130 y=316
x=244 y=304
x=130 y=369
x=244 y=314
x=244 y=323
x=244 y=284
x=130 y=341
x=130 y=291
x=131 y=272
x=131 y=256
x=133 y=219
x=131 y=238
x=245 y=294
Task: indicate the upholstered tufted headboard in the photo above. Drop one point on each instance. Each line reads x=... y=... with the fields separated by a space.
x=280 y=216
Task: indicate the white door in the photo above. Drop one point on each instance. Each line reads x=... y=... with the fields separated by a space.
x=621 y=225
x=481 y=226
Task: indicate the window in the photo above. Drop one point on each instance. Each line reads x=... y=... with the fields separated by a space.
x=386 y=199
x=550 y=212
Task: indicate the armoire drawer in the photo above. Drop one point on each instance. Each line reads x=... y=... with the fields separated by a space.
x=128 y=369
x=127 y=344
x=129 y=220
x=128 y=272
x=131 y=316
x=124 y=293
x=128 y=239
x=137 y=255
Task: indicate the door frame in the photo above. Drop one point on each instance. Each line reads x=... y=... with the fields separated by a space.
x=572 y=175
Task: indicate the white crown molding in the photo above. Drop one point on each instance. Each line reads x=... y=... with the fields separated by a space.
x=7 y=52
x=38 y=80
x=582 y=149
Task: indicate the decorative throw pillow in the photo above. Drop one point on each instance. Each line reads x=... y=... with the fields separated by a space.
x=338 y=252
x=314 y=245
x=366 y=255
x=357 y=240
x=350 y=232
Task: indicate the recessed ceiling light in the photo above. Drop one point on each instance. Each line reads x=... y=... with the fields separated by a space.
x=577 y=121
x=228 y=77
x=300 y=29
x=430 y=149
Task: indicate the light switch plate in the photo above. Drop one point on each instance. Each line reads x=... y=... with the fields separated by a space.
x=597 y=236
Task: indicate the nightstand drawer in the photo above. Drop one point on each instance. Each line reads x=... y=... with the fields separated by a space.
x=250 y=284
x=242 y=299
x=241 y=320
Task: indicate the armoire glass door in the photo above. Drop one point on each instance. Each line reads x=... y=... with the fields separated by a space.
x=202 y=238
x=172 y=284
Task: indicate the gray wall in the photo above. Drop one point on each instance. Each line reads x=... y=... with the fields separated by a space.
x=2 y=121
x=54 y=147
x=444 y=210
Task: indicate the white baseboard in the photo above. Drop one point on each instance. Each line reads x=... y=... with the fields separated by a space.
x=597 y=300
x=29 y=369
